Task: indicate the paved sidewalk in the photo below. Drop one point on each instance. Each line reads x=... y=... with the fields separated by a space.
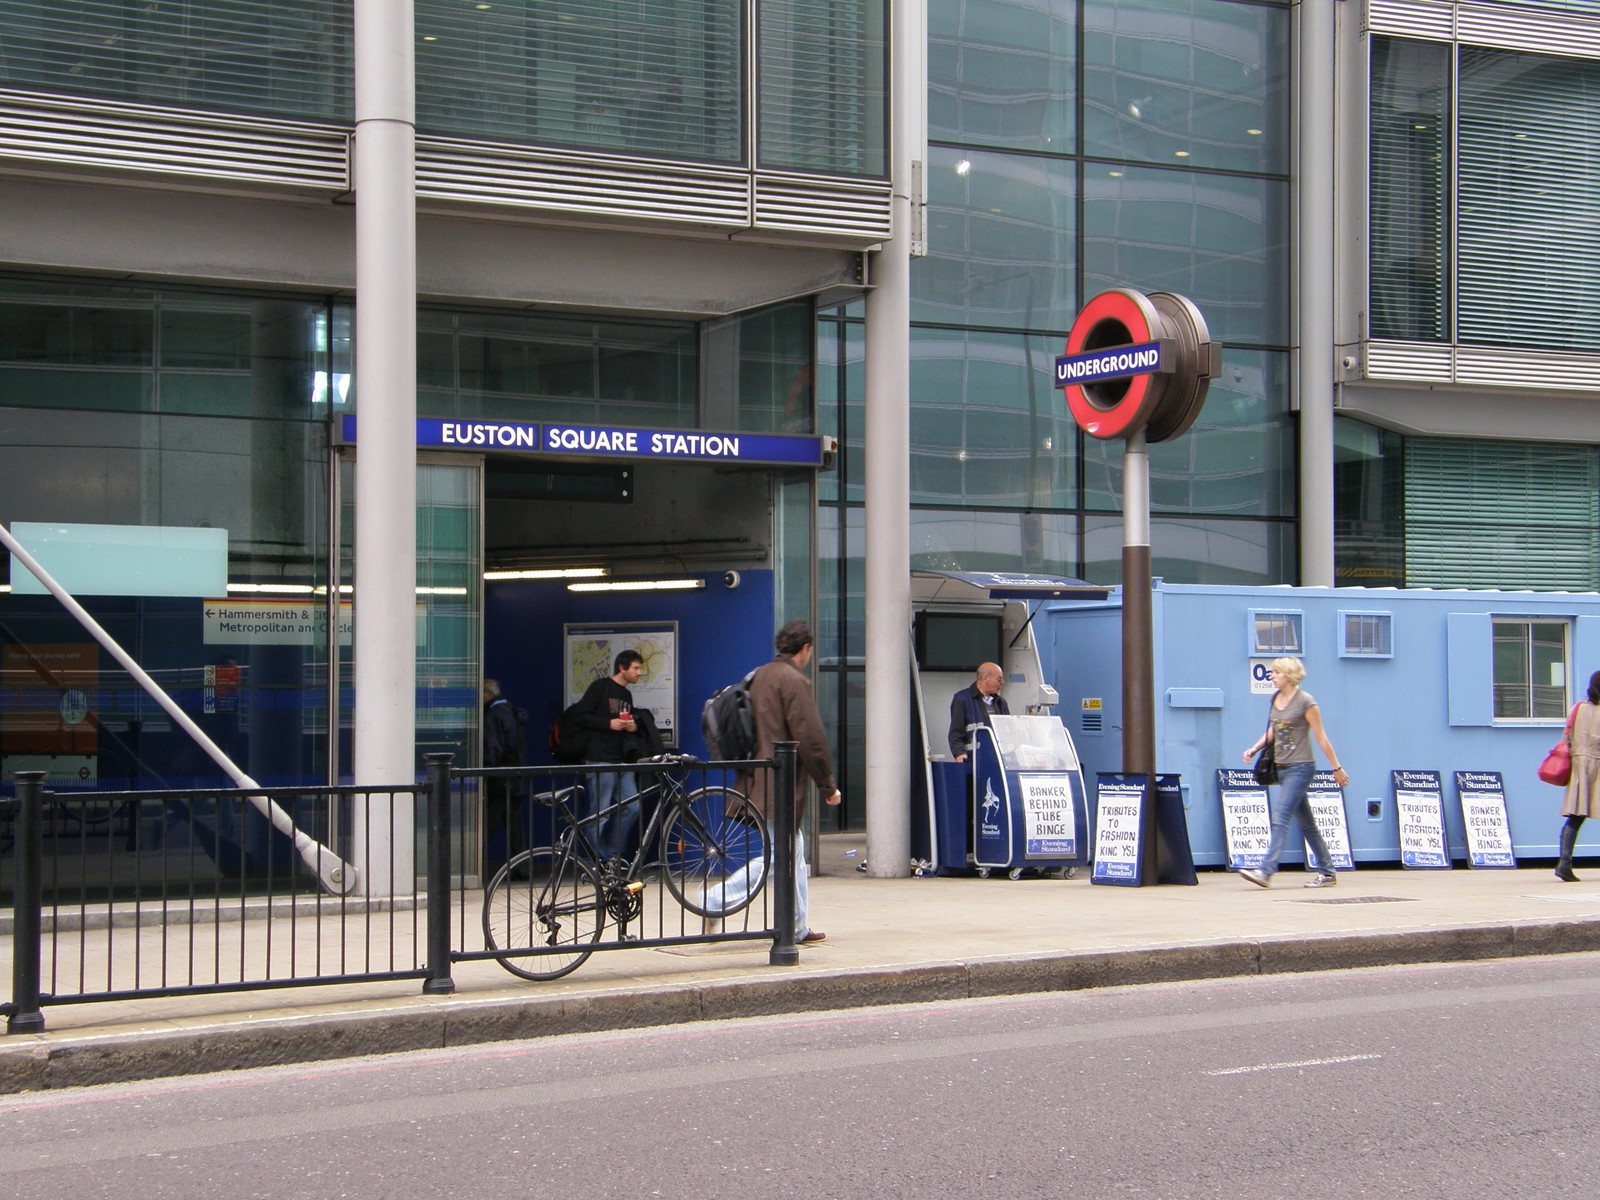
x=889 y=941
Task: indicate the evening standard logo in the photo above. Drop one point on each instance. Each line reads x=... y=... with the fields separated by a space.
x=1108 y=364
x=991 y=802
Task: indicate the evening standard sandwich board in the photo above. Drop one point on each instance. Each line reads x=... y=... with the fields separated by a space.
x=1483 y=815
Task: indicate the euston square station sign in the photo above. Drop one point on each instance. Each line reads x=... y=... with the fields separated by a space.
x=551 y=439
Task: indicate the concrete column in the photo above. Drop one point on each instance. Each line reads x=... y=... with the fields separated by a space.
x=1314 y=267
x=888 y=467
x=386 y=455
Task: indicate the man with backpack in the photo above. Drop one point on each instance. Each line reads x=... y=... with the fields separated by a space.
x=503 y=746
x=785 y=710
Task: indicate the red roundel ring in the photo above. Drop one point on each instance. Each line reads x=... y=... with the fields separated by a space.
x=1116 y=318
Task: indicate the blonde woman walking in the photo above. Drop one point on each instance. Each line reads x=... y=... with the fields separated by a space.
x=1295 y=721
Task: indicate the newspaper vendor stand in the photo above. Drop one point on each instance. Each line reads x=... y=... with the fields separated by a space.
x=1029 y=807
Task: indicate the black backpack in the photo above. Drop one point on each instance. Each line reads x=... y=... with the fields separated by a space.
x=567 y=740
x=728 y=723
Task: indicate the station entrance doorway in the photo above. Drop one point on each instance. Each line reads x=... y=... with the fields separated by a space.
x=693 y=562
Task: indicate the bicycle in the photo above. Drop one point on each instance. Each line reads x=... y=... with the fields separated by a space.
x=557 y=899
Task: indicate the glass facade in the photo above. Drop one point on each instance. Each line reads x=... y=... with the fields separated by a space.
x=1456 y=512
x=163 y=407
x=513 y=366
x=1075 y=148
x=657 y=78
x=1522 y=181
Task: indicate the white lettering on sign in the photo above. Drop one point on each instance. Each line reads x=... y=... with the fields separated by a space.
x=1049 y=817
x=606 y=441
x=1245 y=820
x=473 y=433
x=1145 y=358
x=696 y=445
x=1422 y=841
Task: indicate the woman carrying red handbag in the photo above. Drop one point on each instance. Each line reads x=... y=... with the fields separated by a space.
x=1583 y=787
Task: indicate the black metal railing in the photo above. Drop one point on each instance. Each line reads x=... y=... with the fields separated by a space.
x=131 y=895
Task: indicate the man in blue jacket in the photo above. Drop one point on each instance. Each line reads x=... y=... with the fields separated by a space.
x=974 y=706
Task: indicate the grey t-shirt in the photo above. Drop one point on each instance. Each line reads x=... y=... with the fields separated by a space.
x=1291 y=734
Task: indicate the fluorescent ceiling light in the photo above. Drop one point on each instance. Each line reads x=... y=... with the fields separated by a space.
x=551 y=573
x=441 y=591
x=639 y=585
x=275 y=589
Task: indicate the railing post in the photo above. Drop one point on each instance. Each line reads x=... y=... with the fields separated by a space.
x=27 y=919
x=784 y=952
x=439 y=982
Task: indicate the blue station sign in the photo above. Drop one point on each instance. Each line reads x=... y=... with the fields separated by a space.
x=551 y=439
x=1120 y=362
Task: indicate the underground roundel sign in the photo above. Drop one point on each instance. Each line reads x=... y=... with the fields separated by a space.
x=1137 y=363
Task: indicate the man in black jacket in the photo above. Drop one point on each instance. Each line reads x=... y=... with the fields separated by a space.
x=606 y=711
x=502 y=802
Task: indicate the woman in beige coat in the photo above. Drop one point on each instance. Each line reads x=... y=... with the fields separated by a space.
x=1583 y=788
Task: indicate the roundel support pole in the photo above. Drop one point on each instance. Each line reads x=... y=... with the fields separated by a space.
x=1138 y=658
x=1138 y=666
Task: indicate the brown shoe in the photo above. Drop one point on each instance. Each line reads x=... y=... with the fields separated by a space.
x=813 y=935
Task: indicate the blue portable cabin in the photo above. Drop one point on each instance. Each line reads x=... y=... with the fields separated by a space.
x=1405 y=679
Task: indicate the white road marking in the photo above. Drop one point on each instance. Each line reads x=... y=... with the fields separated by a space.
x=1291 y=1066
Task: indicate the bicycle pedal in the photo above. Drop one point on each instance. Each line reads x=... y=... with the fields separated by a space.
x=634 y=887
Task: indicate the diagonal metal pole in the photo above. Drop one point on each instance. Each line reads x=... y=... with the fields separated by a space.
x=335 y=875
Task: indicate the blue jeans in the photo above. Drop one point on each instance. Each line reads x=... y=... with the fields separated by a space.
x=612 y=834
x=748 y=877
x=1288 y=804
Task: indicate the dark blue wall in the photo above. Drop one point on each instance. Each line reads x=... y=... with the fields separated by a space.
x=722 y=634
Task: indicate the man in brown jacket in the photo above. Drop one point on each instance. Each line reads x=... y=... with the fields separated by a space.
x=785 y=711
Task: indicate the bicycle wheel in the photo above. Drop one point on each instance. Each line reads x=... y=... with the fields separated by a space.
x=714 y=848
x=556 y=908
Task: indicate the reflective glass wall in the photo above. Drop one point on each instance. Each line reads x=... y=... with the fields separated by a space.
x=135 y=411
x=1076 y=147
x=657 y=78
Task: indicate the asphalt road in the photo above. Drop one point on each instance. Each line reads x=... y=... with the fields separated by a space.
x=1437 y=1081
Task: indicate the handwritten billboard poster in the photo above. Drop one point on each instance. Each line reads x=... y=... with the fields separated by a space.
x=1245 y=819
x=1419 y=804
x=1483 y=813
x=1327 y=806
x=1119 y=829
x=1050 y=825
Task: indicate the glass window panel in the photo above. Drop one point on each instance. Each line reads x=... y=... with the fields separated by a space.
x=842 y=361
x=1220 y=241
x=942 y=540
x=1530 y=670
x=1000 y=73
x=1000 y=242
x=1528 y=181
x=775 y=370
x=654 y=77
x=1369 y=505
x=1410 y=199
x=516 y=367
x=290 y=58
x=988 y=426
x=1196 y=550
x=1501 y=514
x=118 y=348
x=205 y=339
x=822 y=84
x=1237 y=460
x=1191 y=81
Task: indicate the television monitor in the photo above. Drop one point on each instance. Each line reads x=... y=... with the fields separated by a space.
x=958 y=641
